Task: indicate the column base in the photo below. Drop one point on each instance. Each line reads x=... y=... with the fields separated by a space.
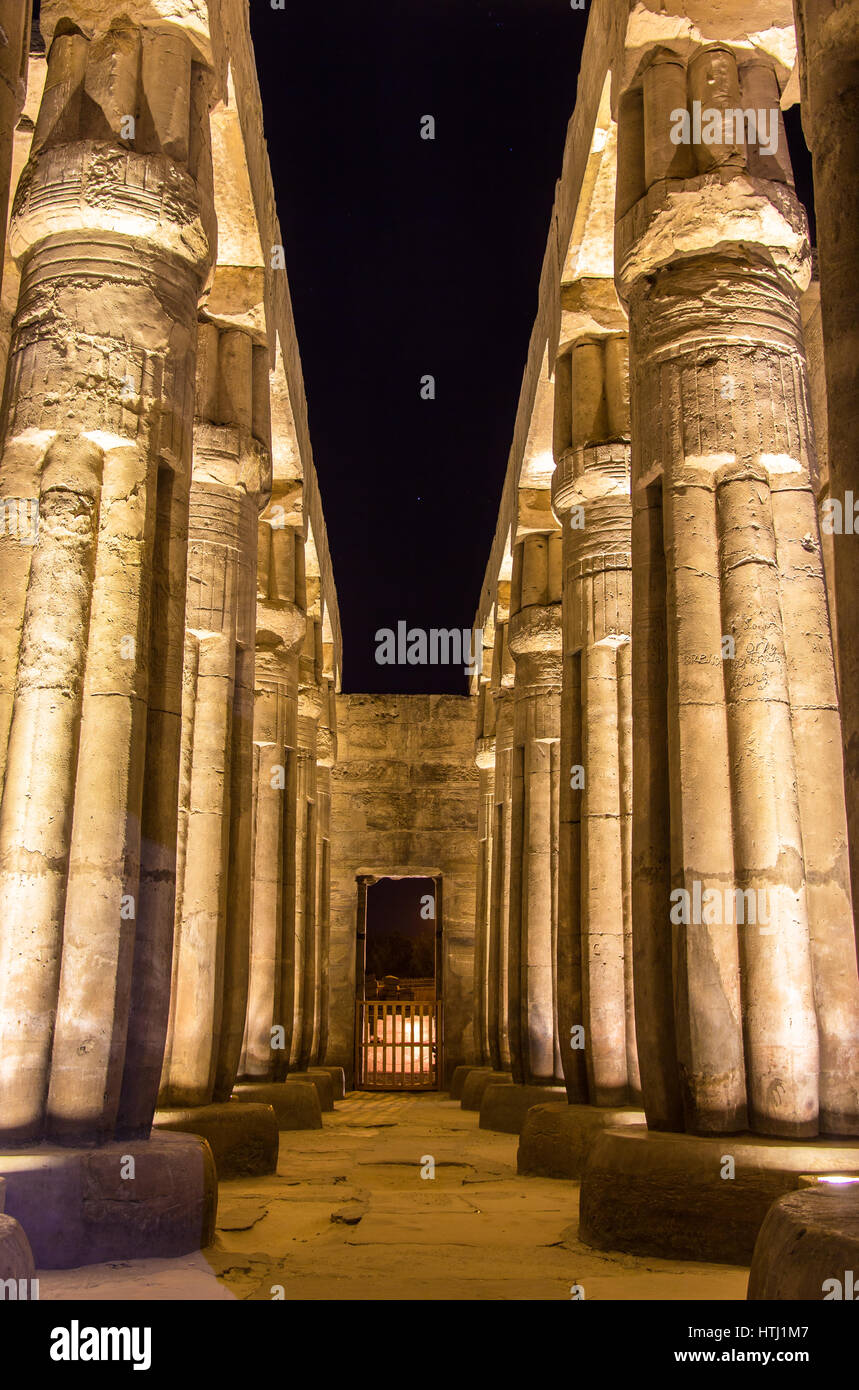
x=457 y=1080
x=557 y=1138
x=504 y=1108
x=338 y=1078
x=87 y=1206
x=808 y=1240
x=321 y=1080
x=16 y=1258
x=296 y=1104
x=476 y=1083
x=651 y=1193
x=243 y=1138
x=450 y=1064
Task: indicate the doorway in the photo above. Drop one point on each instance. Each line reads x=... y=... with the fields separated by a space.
x=398 y=979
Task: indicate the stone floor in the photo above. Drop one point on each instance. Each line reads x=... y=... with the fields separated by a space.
x=349 y=1216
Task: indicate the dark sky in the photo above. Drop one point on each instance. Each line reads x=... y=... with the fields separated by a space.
x=409 y=257
x=397 y=902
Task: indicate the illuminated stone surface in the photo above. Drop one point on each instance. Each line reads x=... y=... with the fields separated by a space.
x=556 y=1139
x=476 y=1085
x=806 y=1246
x=505 y=1108
x=296 y=1104
x=192 y=811
x=690 y=1197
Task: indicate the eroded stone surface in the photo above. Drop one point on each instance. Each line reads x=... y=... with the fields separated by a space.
x=806 y=1246
x=697 y=1198
x=505 y=1108
x=191 y=811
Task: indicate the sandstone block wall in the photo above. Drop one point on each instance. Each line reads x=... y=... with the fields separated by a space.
x=404 y=802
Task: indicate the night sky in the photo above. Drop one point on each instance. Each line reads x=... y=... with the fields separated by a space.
x=409 y=257
x=395 y=920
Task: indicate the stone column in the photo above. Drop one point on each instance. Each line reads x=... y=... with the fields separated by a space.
x=483 y=945
x=117 y=421
x=534 y=636
x=112 y=229
x=231 y=482
x=498 y=991
x=15 y=26
x=304 y=946
x=326 y=758
x=316 y=950
x=270 y=1022
x=590 y=496
x=828 y=33
x=281 y=625
x=739 y=805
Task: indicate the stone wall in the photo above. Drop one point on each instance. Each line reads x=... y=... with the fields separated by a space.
x=404 y=802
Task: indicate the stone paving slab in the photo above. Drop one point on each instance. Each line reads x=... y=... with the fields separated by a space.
x=475 y=1232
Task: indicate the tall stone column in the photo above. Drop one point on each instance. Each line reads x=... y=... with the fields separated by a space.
x=739 y=806
x=15 y=25
x=484 y=984
x=304 y=945
x=534 y=636
x=498 y=972
x=231 y=482
x=281 y=625
x=112 y=228
x=590 y=496
x=828 y=33
x=317 y=990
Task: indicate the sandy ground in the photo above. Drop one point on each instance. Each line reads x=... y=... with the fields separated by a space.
x=349 y=1216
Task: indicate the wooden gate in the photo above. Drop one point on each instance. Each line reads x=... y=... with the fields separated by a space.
x=397 y=1045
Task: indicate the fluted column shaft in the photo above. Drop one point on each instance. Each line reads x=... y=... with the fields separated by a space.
x=737 y=766
x=113 y=241
x=534 y=636
x=304 y=944
x=316 y=1017
x=15 y=24
x=231 y=480
x=281 y=626
x=483 y=953
x=590 y=494
x=828 y=33
x=498 y=963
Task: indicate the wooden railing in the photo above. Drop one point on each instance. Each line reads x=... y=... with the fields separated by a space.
x=397 y=1045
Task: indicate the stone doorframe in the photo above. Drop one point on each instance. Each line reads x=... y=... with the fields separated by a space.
x=364 y=878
